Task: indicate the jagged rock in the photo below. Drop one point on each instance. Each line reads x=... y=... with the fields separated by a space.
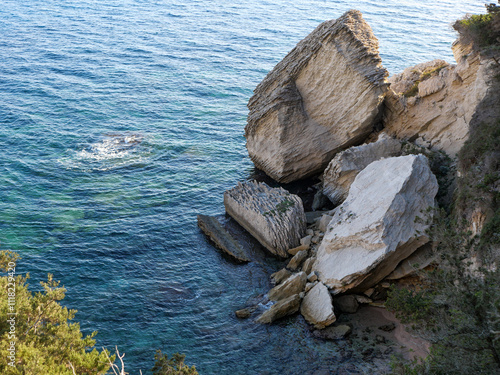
x=307 y=266
x=272 y=215
x=297 y=260
x=433 y=103
x=292 y=285
x=317 y=307
x=298 y=249
x=346 y=304
x=346 y=165
x=320 y=200
x=309 y=286
x=420 y=259
x=382 y=221
x=280 y=276
x=333 y=333
x=323 y=97
x=280 y=309
x=221 y=238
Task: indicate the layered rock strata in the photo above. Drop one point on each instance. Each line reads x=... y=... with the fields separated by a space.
x=382 y=221
x=322 y=98
x=345 y=166
x=273 y=216
x=433 y=103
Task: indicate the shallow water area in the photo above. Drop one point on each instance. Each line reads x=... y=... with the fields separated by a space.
x=120 y=122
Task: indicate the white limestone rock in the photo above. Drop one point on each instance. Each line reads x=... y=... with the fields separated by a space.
x=382 y=221
x=433 y=103
x=317 y=307
x=346 y=165
x=273 y=216
x=322 y=98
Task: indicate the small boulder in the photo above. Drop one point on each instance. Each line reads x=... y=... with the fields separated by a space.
x=273 y=216
x=280 y=309
x=346 y=304
x=317 y=307
x=244 y=313
x=280 y=276
x=295 y=250
x=323 y=222
x=292 y=285
x=297 y=260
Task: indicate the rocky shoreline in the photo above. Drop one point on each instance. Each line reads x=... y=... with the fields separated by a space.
x=328 y=111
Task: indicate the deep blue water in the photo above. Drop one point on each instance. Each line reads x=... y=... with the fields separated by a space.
x=122 y=120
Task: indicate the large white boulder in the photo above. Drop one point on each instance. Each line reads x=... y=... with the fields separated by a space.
x=317 y=307
x=273 y=216
x=322 y=98
x=383 y=221
x=345 y=166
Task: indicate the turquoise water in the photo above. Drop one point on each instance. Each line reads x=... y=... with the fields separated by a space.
x=122 y=120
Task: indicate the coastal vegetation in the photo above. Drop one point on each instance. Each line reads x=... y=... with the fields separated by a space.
x=38 y=335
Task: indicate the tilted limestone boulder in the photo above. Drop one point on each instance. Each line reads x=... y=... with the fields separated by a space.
x=273 y=216
x=382 y=221
x=317 y=307
x=346 y=165
x=322 y=98
x=433 y=103
x=292 y=285
x=280 y=309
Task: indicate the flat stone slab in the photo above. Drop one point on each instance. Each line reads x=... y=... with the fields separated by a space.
x=221 y=238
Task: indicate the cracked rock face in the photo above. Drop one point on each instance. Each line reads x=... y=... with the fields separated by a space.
x=433 y=103
x=322 y=98
x=273 y=216
x=382 y=221
x=345 y=166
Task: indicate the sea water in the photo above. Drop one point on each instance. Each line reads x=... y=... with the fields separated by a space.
x=120 y=121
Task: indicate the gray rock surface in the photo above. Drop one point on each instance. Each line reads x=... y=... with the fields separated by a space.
x=346 y=304
x=317 y=307
x=323 y=97
x=382 y=221
x=333 y=333
x=420 y=259
x=273 y=216
x=345 y=166
x=221 y=238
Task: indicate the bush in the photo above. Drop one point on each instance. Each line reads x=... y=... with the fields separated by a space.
x=36 y=334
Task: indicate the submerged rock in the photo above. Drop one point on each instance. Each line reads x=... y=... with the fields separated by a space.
x=221 y=238
x=317 y=307
x=345 y=166
x=334 y=333
x=323 y=97
x=383 y=221
x=273 y=216
x=280 y=309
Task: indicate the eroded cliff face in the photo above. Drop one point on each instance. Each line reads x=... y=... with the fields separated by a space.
x=323 y=97
x=432 y=104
